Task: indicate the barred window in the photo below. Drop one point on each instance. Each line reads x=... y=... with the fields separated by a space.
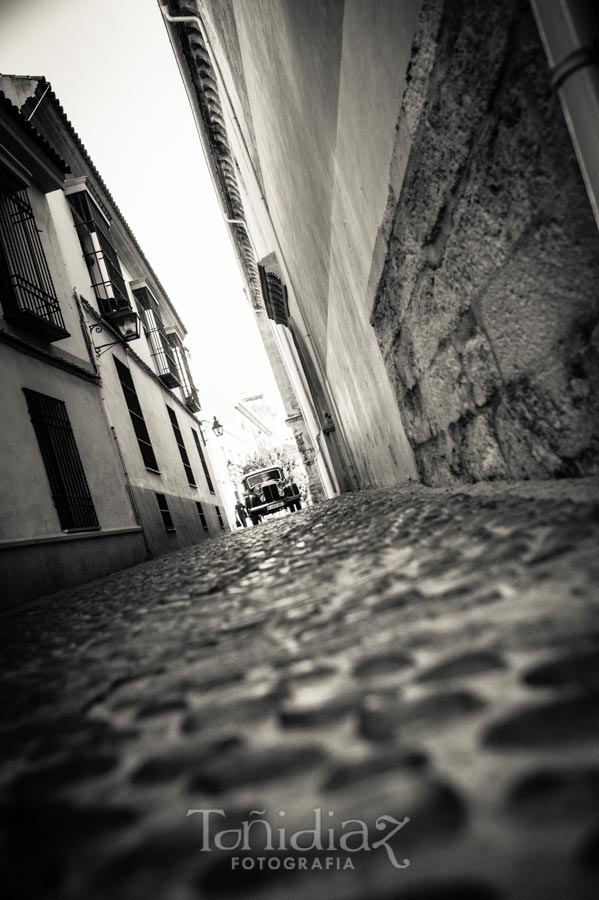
x=274 y=293
x=101 y=257
x=68 y=484
x=160 y=346
x=137 y=416
x=202 y=515
x=190 y=394
x=26 y=287
x=165 y=513
x=220 y=517
x=203 y=461
x=181 y=446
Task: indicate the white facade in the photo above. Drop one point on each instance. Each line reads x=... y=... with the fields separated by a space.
x=104 y=461
x=305 y=200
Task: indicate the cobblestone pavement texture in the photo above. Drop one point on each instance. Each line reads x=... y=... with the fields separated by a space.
x=411 y=652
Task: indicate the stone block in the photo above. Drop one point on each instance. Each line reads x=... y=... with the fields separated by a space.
x=481 y=455
x=487 y=302
x=479 y=364
x=445 y=390
x=546 y=428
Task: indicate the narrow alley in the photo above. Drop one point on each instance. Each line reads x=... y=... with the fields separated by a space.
x=327 y=269
x=417 y=652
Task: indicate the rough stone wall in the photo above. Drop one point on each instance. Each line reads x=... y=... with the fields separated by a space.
x=486 y=310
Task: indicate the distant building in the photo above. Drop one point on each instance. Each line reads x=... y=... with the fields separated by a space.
x=409 y=212
x=256 y=422
x=103 y=458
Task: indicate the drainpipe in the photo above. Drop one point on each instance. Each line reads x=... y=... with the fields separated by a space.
x=570 y=36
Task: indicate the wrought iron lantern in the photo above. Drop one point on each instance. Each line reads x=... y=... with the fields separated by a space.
x=217 y=428
x=125 y=322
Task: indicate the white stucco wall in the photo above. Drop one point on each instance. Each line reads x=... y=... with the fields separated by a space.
x=317 y=75
x=377 y=38
x=25 y=499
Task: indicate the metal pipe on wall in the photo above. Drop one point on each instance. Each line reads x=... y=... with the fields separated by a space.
x=570 y=35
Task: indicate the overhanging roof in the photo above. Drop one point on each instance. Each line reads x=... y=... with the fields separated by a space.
x=42 y=89
x=21 y=139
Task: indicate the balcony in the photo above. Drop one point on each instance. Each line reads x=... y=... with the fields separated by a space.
x=106 y=278
x=160 y=348
x=192 y=401
x=188 y=388
x=26 y=288
x=29 y=306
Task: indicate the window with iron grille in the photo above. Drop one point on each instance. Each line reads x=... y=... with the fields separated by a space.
x=137 y=416
x=160 y=346
x=274 y=293
x=190 y=394
x=202 y=515
x=165 y=513
x=26 y=287
x=220 y=518
x=203 y=461
x=68 y=484
x=181 y=445
x=101 y=257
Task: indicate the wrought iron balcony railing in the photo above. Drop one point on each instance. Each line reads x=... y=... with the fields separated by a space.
x=26 y=288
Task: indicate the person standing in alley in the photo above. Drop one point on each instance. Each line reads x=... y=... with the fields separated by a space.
x=241 y=513
x=292 y=490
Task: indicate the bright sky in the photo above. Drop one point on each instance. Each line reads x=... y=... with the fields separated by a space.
x=111 y=65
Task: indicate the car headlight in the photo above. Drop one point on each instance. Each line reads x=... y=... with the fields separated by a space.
x=263 y=498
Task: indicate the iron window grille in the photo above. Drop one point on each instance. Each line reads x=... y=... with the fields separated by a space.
x=274 y=293
x=181 y=446
x=137 y=416
x=165 y=512
x=190 y=394
x=220 y=517
x=100 y=256
x=26 y=287
x=68 y=484
x=203 y=461
x=160 y=347
x=202 y=515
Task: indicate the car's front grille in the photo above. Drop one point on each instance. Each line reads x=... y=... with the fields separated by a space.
x=271 y=493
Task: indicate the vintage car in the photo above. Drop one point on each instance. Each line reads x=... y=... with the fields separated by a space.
x=266 y=491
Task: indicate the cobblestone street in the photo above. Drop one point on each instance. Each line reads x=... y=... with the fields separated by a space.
x=419 y=652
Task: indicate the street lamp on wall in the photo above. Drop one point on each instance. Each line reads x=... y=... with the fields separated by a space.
x=216 y=426
x=124 y=322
